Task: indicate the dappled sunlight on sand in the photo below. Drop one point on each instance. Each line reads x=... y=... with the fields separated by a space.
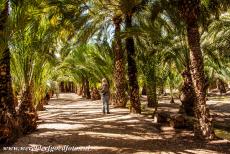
x=61 y=126
x=112 y=135
x=51 y=133
x=116 y=117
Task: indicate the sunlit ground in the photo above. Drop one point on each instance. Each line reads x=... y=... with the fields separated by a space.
x=73 y=121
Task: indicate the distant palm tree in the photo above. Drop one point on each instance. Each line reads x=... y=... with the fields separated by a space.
x=88 y=64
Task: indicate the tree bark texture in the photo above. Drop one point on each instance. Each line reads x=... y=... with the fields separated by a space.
x=187 y=96
x=27 y=112
x=86 y=90
x=132 y=70
x=190 y=12
x=120 y=99
x=9 y=125
x=221 y=86
x=150 y=76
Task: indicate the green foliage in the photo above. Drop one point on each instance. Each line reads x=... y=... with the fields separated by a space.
x=69 y=40
x=30 y=41
x=33 y=44
x=215 y=43
x=92 y=61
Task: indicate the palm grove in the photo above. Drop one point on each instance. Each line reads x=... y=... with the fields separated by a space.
x=154 y=44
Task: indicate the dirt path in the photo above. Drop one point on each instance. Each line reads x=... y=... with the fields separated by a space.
x=71 y=121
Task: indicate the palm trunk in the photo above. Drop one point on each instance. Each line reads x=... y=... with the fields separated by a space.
x=144 y=90
x=152 y=95
x=161 y=87
x=27 y=111
x=76 y=89
x=80 y=89
x=187 y=96
x=190 y=11
x=86 y=92
x=73 y=88
x=95 y=94
x=221 y=86
x=171 y=94
x=87 y=89
x=203 y=127
x=132 y=70
x=66 y=86
x=9 y=127
x=151 y=83
x=119 y=68
x=61 y=87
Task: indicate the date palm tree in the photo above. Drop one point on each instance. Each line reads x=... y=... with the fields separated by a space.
x=118 y=11
x=24 y=53
x=108 y=22
x=129 y=8
x=190 y=12
x=154 y=35
x=119 y=67
x=8 y=120
x=215 y=43
x=88 y=64
x=132 y=69
x=41 y=29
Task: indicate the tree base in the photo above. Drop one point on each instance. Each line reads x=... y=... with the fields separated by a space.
x=175 y=120
x=9 y=131
x=95 y=95
x=28 y=121
x=40 y=106
x=118 y=101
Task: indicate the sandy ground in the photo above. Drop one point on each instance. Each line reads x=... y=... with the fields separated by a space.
x=73 y=125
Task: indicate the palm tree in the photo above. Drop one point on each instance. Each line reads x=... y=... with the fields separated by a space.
x=151 y=82
x=176 y=53
x=132 y=69
x=214 y=43
x=117 y=10
x=119 y=67
x=51 y=26
x=8 y=119
x=88 y=64
x=108 y=22
x=129 y=8
x=24 y=49
x=151 y=41
x=35 y=31
x=190 y=12
x=147 y=56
